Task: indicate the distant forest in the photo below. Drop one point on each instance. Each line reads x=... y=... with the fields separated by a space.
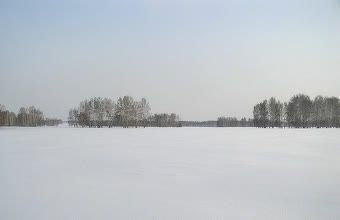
x=125 y=112
x=26 y=117
x=300 y=112
x=234 y=122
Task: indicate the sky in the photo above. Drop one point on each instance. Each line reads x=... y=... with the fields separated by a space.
x=199 y=59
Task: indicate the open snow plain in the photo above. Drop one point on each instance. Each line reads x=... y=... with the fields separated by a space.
x=169 y=173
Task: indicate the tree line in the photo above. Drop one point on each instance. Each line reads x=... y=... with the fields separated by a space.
x=125 y=112
x=300 y=112
x=26 y=117
x=234 y=122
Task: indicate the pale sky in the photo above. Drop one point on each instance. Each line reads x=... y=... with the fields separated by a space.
x=200 y=59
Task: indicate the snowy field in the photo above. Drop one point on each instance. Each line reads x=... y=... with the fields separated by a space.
x=169 y=173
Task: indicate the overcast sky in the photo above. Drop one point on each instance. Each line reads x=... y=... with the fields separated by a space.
x=200 y=59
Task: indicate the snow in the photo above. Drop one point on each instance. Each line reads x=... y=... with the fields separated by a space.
x=169 y=173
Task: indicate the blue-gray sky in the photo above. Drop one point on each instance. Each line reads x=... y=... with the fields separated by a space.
x=200 y=59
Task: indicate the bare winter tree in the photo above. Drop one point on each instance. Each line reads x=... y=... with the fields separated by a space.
x=275 y=109
x=261 y=114
x=108 y=106
x=143 y=112
x=125 y=112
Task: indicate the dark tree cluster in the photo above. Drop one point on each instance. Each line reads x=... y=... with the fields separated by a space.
x=164 y=120
x=30 y=116
x=269 y=113
x=300 y=112
x=234 y=122
x=125 y=112
x=26 y=117
x=96 y=112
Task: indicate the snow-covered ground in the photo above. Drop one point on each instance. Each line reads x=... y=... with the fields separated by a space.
x=169 y=173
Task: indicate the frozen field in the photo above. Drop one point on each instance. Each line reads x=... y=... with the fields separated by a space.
x=169 y=173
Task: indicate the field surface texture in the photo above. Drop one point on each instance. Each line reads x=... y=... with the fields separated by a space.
x=169 y=173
